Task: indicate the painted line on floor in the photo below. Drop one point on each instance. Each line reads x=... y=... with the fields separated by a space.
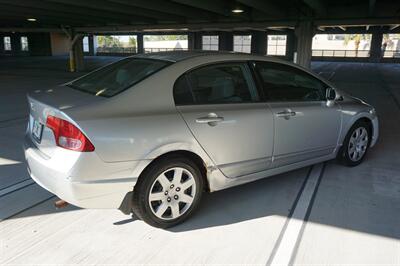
x=16 y=187
x=296 y=248
x=286 y=246
x=13 y=119
x=23 y=180
x=27 y=208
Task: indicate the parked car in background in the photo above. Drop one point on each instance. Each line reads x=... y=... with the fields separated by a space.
x=148 y=134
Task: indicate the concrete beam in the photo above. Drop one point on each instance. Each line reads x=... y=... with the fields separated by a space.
x=44 y=16
x=317 y=6
x=266 y=7
x=137 y=14
x=216 y=7
x=61 y=9
x=170 y=8
x=394 y=27
x=371 y=7
x=232 y=26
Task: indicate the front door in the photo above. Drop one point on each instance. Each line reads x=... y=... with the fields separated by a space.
x=305 y=126
x=224 y=112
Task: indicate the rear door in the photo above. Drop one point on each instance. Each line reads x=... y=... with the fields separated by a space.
x=305 y=126
x=222 y=107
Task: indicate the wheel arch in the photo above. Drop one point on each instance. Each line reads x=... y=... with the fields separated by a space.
x=182 y=153
x=350 y=122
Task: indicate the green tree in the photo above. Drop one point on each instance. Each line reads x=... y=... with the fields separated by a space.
x=132 y=41
x=108 y=41
x=164 y=37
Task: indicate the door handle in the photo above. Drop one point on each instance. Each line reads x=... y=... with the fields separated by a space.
x=286 y=114
x=212 y=119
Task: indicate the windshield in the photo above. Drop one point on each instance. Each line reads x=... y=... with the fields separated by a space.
x=117 y=77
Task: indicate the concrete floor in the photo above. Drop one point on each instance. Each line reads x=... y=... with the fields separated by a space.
x=327 y=214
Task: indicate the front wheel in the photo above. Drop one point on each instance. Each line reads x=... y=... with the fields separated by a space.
x=168 y=192
x=356 y=144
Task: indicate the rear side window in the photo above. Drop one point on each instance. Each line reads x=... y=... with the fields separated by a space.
x=286 y=83
x=182 y=92
x=115 y=78
x=216 y=84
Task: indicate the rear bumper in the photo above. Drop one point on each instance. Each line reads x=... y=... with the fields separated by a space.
x=81 y=179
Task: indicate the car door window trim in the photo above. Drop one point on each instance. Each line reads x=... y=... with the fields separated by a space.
x=267 y=99
x=252 y=86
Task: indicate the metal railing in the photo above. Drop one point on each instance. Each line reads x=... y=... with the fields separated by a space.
x=391 y=54
x=340 y=53
x=155 y=50
x=116 y=50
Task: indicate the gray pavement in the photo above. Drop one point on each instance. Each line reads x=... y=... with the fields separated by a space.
x=329 y=214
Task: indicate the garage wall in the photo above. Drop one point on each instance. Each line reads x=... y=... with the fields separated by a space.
x=38 y=43
x=59 y=44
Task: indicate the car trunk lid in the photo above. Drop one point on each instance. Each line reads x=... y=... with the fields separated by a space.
x=55 y=102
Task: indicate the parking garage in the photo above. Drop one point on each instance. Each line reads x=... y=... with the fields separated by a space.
x=325 y=214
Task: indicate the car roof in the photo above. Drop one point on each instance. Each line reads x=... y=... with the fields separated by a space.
x=176 y=56
x=179 y=56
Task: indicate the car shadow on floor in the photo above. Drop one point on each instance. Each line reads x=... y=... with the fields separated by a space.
x=263 y=198
x=266 y=197
x=363 y=199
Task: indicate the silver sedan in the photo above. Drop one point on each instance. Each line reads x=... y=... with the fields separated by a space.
x=150 y=133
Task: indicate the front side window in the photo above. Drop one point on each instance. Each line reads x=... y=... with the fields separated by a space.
x=24 y=43
x=286 y=83
x=182 y=93
x=7 y=43
x=217 y=84
x=115 y=78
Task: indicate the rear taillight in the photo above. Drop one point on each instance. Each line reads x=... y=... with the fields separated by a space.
x=68 y=136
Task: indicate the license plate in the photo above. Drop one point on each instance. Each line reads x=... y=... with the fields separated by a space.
x=37 y=130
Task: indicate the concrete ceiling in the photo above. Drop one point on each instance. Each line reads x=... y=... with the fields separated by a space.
x=89 y=15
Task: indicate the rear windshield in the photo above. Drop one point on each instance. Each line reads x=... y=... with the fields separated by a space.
x=117 y=77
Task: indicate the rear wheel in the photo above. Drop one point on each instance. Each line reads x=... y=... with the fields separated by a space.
x=168 y=192
x=356 y=144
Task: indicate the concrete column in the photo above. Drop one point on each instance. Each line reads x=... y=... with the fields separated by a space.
x=77 y=53
x=290 y=45
x=194 y=41
x=95 y=45
x=259 y=42
x=375 y=53
x=191 y=41
x=304 y=33
x=140 y=43
x=225 y=42
x=91 y=40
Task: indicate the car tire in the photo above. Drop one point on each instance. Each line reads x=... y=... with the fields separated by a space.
x=168 y=192
x=356 y=144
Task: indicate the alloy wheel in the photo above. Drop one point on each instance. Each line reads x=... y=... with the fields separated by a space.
x=172 y=193
x=358 y=144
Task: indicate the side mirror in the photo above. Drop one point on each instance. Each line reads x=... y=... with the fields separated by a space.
x=330 y=94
